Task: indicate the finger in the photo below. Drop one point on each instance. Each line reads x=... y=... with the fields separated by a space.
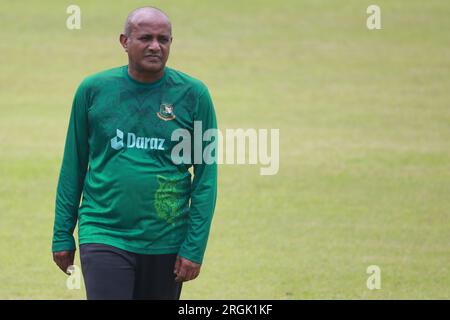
x=196 y=272
x=190 y=272
x=61 y=266
x=67 y=261
x=70 y=269
x=59 y=262
x=57 y=258
x=62 y=259
x=181 y=276
x=64 y=265
x=71 y=257
x=177 y=265
x=195 y=275
x=67 y=268
x=189 y=275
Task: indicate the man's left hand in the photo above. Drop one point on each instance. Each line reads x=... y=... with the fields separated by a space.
x=186 y=270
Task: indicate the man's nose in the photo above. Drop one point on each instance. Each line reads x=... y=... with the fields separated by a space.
x=153 y=45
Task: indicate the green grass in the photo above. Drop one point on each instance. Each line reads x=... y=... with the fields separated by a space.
x=364 y=141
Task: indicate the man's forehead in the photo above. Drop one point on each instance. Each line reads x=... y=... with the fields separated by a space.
x=151 y=27
x=150 y=20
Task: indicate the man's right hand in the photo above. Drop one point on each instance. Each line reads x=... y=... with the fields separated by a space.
x=64 y=259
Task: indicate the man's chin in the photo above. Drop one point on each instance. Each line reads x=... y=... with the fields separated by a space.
x=152 y=67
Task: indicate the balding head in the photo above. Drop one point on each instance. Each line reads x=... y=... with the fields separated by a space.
x=144 y=14
x=147 y=38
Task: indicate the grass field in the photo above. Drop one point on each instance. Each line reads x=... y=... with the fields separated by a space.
x=364 y=119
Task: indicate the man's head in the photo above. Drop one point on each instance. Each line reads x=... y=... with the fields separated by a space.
x=147 y=38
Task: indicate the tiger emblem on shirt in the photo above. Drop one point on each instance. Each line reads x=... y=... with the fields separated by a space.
x=167 y=203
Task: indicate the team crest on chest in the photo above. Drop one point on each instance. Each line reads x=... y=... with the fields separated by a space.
x=166 y=112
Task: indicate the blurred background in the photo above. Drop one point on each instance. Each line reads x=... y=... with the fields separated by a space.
x=364 y=120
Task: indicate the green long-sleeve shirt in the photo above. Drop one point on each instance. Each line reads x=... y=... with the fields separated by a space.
x=118 y=157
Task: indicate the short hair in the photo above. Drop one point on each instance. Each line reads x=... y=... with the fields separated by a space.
x=128 y=23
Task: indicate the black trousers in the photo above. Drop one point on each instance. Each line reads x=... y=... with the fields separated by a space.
x=111 y=273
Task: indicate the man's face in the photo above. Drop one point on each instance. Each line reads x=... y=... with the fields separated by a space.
x=148 y=45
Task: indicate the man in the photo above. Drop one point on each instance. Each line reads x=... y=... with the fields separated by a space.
x=143 y=224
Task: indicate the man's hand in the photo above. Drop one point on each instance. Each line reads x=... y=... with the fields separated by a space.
x=64 y=259
x=186 y=270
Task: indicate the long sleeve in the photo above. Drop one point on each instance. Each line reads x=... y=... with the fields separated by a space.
x=204 y=186
x=72 y=174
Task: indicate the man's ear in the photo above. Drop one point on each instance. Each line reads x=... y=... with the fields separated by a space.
x=124 y=41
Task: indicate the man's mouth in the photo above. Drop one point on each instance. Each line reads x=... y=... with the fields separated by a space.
x=152 y=57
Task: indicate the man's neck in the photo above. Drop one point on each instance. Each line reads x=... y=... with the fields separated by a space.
x=145 y=76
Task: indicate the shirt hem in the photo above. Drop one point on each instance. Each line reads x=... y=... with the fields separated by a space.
x=120 y=245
